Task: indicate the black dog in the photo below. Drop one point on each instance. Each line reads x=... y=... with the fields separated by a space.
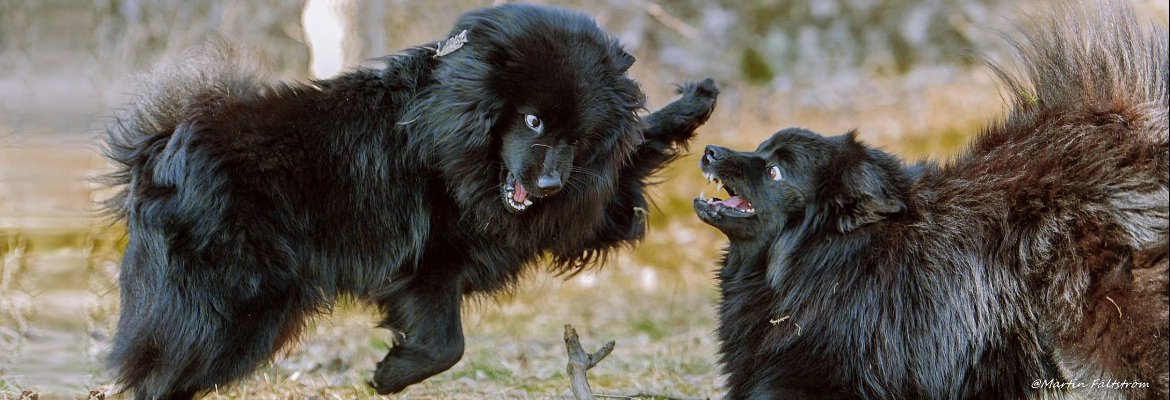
x=252 y=205
x=1033 y=266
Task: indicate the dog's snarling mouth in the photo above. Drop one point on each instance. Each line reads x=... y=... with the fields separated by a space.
x=516 y=198
x=736 y=205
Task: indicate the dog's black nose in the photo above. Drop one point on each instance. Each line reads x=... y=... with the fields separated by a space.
x=549 y=184
x=715 y=153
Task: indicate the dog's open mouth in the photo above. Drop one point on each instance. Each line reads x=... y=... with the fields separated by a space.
x=736 y=205
x=516 y=198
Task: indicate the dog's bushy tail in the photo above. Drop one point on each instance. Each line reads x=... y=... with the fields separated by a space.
x=165 y=97
x=1089 y=56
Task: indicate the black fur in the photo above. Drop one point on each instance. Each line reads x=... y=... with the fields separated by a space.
x=252 y=205
x=1036 y=261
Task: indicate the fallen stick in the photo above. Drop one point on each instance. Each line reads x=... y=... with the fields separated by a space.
x=580 y=361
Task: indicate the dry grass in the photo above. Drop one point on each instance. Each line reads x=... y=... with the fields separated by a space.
x=58 y=295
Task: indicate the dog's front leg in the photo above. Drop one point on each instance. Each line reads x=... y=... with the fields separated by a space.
x=666 y=130
x=424 y=315
x=675 y=124
x=670 y=128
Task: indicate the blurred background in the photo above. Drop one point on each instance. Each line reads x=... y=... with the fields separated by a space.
x=906 y=73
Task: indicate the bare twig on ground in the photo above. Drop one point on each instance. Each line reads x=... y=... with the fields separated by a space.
x=643 y=396
x=580 y=361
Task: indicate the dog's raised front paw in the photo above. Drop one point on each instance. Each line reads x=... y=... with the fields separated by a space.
x=676 y=123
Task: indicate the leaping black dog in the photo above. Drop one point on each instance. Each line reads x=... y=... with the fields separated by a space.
x=253 y=204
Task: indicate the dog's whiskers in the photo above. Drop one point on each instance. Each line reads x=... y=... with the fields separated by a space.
x=575 y=182
x=587 y=171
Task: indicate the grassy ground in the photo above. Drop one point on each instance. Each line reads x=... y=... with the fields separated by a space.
x=58 y=293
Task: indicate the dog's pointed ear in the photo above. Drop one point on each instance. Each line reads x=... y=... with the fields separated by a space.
x=869 y=191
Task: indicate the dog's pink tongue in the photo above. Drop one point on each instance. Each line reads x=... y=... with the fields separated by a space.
x=734 y=202
x=519 y=194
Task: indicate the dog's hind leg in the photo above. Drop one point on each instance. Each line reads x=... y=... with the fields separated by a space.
x=192 y=324
x=424 y=312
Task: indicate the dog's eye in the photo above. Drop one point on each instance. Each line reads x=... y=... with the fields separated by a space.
x=574 y=142
x=534 y=123
x=774 y=173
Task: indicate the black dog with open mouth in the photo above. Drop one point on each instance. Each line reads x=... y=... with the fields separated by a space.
x=252 y=204
x=768 y=187
x=1035 y=262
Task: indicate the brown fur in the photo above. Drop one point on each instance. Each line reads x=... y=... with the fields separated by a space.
x=1081 y=164
x=1037 y=258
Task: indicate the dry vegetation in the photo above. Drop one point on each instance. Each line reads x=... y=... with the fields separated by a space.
x=58 y=261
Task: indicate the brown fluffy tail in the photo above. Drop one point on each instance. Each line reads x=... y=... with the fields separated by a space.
x=1078 y=169
x=1091 y=56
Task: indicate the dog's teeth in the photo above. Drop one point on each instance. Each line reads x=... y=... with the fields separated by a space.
x=718 y=186
x=527 y=203
x=509 y=195
x=702 y=194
